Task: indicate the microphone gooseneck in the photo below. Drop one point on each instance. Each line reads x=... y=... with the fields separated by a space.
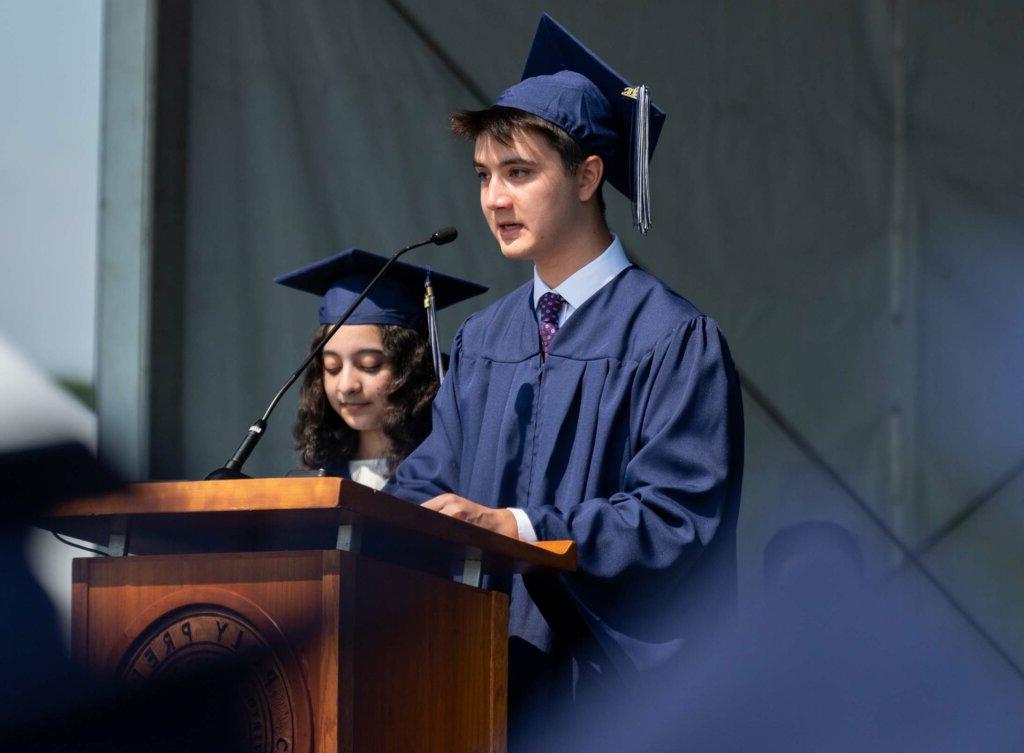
x=233 y=468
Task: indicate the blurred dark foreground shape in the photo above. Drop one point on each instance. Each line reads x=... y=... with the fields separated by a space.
x=828 y=664
x=48 y=703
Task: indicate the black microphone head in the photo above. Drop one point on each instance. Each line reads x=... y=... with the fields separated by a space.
x=444 y=235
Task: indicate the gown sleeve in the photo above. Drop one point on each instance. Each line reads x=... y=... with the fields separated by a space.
x=433 y=467
x=687 y=423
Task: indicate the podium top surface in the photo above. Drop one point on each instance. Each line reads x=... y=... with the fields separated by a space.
x=295 y=513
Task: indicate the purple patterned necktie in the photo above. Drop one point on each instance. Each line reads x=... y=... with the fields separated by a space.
x=550 y=306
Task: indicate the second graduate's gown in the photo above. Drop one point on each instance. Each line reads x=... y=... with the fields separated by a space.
x=627 y=439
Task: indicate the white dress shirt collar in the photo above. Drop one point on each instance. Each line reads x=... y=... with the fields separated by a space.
x=583 y=283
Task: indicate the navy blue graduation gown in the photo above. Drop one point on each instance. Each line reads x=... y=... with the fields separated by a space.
x=627 y=439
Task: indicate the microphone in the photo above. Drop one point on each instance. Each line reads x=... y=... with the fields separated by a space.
x=444 y=235
x=233 y=468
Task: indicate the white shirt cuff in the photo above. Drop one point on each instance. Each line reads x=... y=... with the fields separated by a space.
x=526 y=532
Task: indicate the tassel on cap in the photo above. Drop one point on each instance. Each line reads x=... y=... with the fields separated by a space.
x=432 y=332
x=641 y=173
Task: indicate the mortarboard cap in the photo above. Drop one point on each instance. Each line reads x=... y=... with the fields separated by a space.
x=397 y=298
x=568 y=85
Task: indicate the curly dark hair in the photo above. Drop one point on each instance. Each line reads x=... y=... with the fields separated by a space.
x=322 y=436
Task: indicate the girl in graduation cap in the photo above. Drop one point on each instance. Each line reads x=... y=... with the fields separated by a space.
x=365 y=399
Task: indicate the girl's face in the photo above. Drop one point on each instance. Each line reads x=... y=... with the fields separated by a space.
x=357 y=376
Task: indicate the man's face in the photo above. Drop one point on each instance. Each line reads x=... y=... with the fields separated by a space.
x=529 y=200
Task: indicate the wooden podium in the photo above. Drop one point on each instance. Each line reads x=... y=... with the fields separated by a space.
x=347 y=598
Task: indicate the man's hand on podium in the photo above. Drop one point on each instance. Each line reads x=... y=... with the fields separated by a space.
x=499 y=520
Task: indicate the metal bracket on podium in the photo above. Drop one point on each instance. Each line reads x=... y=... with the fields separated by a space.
x=117 y=543
x=472 y=570
x=349 y=538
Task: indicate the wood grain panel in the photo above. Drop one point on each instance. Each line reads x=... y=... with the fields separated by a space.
x=118 y=598
x=431 y=663
x=211 y=496
x=390 y=659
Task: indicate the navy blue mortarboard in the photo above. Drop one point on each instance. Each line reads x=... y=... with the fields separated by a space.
x=397 y=298
x=568 y=85
x=407 y=295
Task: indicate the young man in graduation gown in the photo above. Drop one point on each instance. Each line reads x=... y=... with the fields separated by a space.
x=592 y=403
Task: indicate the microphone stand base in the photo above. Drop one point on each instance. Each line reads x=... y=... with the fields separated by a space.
x=224 y=473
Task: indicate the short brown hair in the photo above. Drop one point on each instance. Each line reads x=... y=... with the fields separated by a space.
x=502 y=123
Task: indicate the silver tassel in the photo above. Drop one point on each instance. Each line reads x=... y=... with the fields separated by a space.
x=641 y=160
x=432 y=335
